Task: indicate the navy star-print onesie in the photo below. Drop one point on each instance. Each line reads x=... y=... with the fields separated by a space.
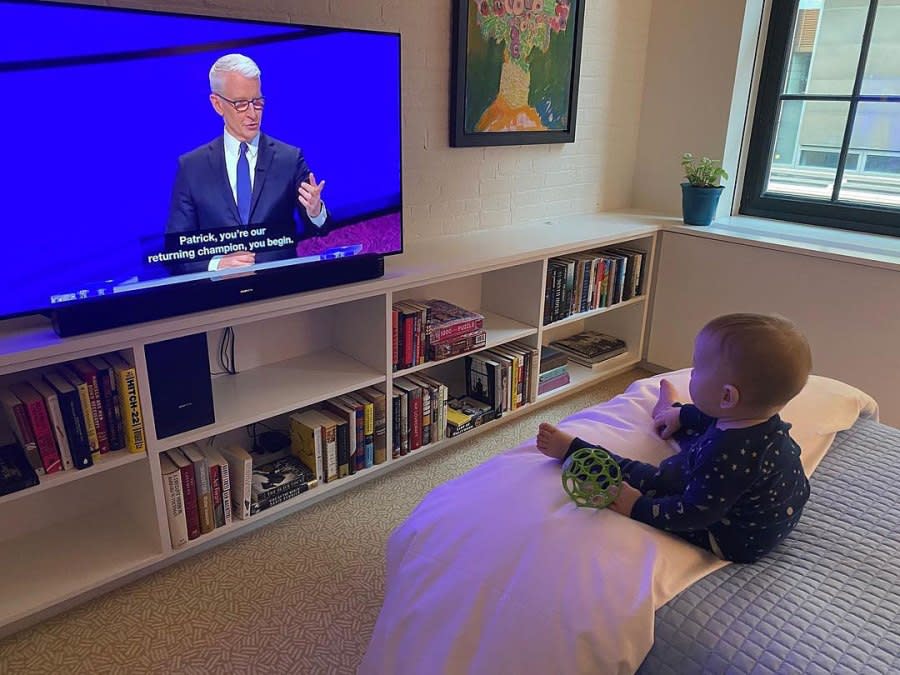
x=736 y=492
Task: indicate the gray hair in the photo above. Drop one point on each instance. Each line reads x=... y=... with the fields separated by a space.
x=231 y=63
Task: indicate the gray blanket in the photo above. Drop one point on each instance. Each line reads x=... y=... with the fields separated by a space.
x=826 y=601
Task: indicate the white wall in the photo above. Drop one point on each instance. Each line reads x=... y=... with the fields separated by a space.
x=848 y=311
x=453 y=190
x=692 y=57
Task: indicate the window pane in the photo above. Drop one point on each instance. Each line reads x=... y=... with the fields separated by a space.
x=877 y=130
x=883 y=65
x=825 y=47
x=805 y=128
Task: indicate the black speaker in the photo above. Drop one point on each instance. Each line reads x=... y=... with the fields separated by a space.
x=180 y=384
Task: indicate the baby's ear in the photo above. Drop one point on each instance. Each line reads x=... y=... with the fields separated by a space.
x=730 y=397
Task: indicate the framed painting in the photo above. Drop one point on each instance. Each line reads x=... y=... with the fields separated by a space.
x=515 y=71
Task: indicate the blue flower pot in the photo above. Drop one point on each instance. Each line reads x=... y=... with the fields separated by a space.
x=699 y=203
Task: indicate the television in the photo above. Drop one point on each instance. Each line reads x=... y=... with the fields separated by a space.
x=138 y=184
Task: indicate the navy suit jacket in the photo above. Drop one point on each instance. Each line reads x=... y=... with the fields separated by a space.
x=202 y=198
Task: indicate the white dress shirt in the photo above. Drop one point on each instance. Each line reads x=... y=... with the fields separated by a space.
x=232 y=154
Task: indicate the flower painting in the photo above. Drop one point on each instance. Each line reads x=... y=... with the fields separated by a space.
x=515 y=77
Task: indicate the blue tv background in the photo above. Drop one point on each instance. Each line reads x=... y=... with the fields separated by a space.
x=95 y=144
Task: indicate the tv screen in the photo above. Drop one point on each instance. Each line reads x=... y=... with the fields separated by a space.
x=153 y=151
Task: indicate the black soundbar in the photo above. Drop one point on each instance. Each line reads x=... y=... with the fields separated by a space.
x=123 y=309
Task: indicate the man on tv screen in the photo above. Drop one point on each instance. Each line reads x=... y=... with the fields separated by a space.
x=244 y=194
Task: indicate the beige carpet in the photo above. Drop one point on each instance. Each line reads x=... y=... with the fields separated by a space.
x=298 y=596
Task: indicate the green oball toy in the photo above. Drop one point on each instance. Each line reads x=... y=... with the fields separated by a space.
x=591 y=478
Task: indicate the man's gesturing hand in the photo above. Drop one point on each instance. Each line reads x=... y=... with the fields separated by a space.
x=310 y=195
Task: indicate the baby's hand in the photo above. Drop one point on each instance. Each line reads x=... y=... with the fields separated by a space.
x=626 y=499
x=667 y=421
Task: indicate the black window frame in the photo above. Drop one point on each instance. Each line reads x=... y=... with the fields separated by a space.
x=834 y=213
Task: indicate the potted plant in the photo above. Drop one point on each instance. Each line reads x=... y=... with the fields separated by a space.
x=700 y=194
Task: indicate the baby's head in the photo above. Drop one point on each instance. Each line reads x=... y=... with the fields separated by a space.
x=748 y=365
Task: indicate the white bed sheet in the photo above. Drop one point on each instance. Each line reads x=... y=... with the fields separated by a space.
x=498 y=571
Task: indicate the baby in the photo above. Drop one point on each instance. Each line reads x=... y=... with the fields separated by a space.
x=737 y=487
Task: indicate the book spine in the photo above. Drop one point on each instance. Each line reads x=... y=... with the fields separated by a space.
x=95 y=401
x=105 y=394
x=225 y=474
x=415 y=414
x=395 y=338
x=130 y=405
x=59 y=431
x=204 y=496
x=369 y=435
x=379 y=450
x=450 y=331
x=342 y=438
x=21 y=415
x=215 y=483
x=191 y=505
x=178 y=527
x=396 y=432
x=329 y=441
x=43 y=434
x=294 y=490
x=553 y=383
x=87 y=415
x=404 y=423
x=76 y=434
x=409 y=322
x=359 y=457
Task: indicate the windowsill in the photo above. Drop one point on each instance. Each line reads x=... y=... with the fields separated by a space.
x=874 y=250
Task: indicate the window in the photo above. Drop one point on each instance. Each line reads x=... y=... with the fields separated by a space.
x=825 y=143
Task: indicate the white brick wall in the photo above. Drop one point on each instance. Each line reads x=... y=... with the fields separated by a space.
x=454 y=190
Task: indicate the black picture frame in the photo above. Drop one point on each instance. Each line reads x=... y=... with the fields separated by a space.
x=464 y=12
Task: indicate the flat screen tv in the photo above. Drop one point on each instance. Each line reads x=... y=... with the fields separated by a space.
x=158 y=164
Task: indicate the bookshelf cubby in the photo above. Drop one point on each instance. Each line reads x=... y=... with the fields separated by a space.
x=80 y=533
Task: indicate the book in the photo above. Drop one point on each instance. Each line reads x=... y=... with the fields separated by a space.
x=87 y=412
x=54 y=414
x=306 y=441
x=368 y=428
x=188 y=490
x=345 y=409
x=204 y=487
x=129 y=400
x=16 y=472
x=217 y=460
x=379 y=422
x=240 y=470
x=106 y=386
x=447 y=321
x=590 y=347
x=273 y=482
x=438 y=351
x=553 y=383
x=40 y=425
x=552 y=358
x=174 y=496
x=73 y=419
x=341 y=425
x=17 y=417
x=89 y=375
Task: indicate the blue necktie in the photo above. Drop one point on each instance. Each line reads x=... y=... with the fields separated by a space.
x=244 y=189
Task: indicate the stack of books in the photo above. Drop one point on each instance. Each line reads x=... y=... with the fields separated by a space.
x=16 y=473
x=553 y=370
x=432 y=330
x=590 y=347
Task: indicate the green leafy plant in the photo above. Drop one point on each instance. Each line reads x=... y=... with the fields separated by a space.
x=705 y=173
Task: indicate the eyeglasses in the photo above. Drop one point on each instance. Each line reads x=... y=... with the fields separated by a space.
x=241 y=105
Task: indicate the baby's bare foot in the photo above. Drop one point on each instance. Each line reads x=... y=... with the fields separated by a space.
x=553 y=442
x=667 y=396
